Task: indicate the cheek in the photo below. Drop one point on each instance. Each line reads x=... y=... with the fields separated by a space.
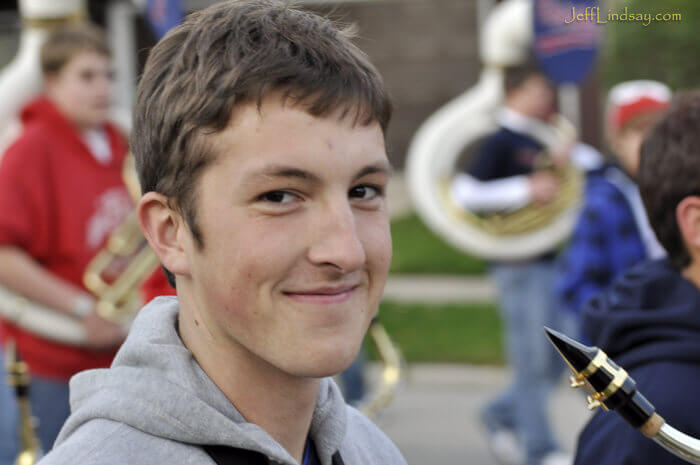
x=250 y=257
x=378 y=247
x=77 y=92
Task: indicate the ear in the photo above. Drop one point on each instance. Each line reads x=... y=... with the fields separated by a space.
x=688 y=219
x=165 y=231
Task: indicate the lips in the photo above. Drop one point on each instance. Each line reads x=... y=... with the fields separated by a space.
x=323 y=295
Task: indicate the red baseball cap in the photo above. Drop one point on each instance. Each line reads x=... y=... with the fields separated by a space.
x=633 y=98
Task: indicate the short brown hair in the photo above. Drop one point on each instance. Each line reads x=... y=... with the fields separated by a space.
x=65 y=42
x=669 y=171
x=237 y=52
x=516 y=75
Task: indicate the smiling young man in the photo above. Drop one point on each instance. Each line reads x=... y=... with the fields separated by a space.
x=259 y=140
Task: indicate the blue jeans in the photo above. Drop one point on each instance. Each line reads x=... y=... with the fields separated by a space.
x=527 y=304
x=50 y=406
x=352 y=380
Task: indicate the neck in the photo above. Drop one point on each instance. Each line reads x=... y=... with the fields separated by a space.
x=522 y=109
x=65 y=110
x=278 y=402
x=692 y=273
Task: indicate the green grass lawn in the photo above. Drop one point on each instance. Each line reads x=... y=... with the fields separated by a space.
x=469 y=333
x=419 y=250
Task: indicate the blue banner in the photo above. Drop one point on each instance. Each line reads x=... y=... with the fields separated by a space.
x=567 y=35
x=164 y=15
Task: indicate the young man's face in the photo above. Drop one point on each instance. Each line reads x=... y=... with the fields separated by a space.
x=81 y=88
x=628 y=142
x=296 y=238
x=627 y=145
x=536 y=97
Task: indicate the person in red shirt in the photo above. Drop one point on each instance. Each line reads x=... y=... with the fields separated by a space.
x=61 y=195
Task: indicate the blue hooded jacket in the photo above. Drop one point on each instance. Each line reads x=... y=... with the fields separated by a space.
x=649 y=323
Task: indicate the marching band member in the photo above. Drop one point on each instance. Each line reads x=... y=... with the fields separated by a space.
x=259 y=142
x=505 y=177
x=61 y=194
x=612 y=233
x=649 y=320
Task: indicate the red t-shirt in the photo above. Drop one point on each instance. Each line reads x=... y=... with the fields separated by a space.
x=60 y=204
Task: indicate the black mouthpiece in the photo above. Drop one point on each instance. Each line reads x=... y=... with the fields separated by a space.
x=611 y=386
x=575 y=353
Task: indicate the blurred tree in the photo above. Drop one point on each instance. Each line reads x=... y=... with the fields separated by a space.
x=665 y=51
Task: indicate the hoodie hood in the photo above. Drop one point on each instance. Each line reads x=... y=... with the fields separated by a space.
x=42 y=115
x=43 y=111
x=650 y=314
x=156 y=386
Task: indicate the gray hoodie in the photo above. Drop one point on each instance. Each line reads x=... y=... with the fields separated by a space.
x=155 y=405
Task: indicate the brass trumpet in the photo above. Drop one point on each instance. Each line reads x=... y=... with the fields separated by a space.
x=118 y=297
x=119 y=300
x=114 y=276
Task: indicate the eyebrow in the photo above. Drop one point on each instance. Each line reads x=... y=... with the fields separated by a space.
x=282 y=171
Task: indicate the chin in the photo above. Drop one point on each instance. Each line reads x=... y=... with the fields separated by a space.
x=324 y=363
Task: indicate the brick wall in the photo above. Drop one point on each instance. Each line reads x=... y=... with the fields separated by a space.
x=425 y=49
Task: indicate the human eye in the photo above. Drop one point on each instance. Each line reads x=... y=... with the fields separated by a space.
x=278 y=197
x=87 y=76
x=366 y=192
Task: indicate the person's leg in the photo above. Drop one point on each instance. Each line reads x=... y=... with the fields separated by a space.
x=51 y=407
x=533 y=365
x=499 y=413
x=8 y=419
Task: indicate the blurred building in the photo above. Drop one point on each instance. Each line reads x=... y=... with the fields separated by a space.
x=427 y=51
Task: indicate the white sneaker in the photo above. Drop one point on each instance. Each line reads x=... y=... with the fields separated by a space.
x=506 y=447
x=557 y=458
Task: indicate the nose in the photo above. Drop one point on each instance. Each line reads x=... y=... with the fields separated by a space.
x=335 y=238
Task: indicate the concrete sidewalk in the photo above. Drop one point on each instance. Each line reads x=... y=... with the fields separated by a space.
x=433 y=418
x=430 y=288
x=439 y=289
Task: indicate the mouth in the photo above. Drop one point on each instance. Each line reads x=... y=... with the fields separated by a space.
x=323 y=295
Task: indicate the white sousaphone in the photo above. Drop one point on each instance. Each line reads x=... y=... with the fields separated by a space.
x=433 y=155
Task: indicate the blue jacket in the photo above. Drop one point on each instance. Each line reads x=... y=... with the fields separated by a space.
x=605 y=242
x=649 y=323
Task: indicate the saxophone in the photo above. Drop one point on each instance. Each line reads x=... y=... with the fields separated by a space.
x=18 y=376
x=611 y=388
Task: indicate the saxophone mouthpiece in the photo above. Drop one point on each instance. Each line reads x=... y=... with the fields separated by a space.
x=575 y=354
x=611 y=388
x=609 y=385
